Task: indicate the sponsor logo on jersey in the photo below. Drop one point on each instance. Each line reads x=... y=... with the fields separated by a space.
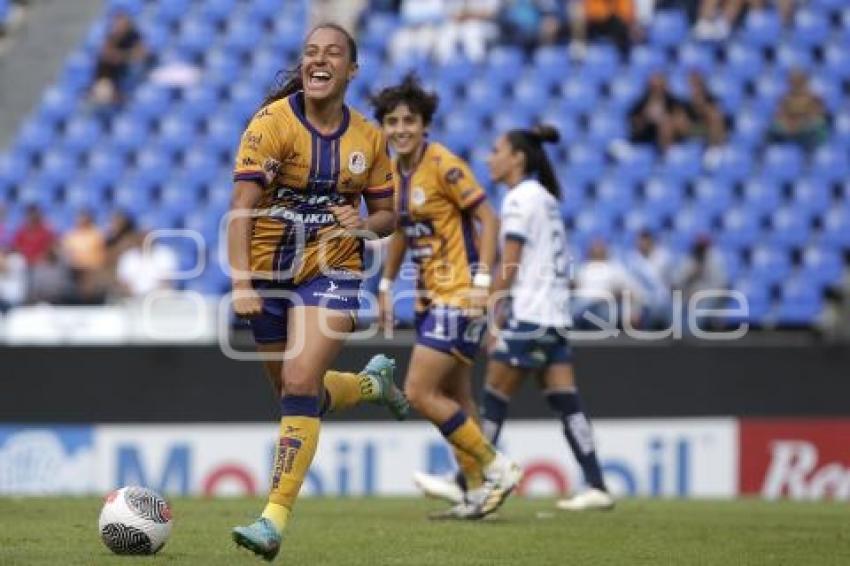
x=357 y=162
x=454 y=175
x=264 y=113
x=252 y=140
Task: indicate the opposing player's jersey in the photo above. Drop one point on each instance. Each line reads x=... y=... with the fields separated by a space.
x=540 y=293
x=302 y=171
x=435 y=205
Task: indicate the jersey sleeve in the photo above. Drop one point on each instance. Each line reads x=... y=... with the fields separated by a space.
x=516 y=219
x=459 y=183
x=260 y=148
x=381 y=175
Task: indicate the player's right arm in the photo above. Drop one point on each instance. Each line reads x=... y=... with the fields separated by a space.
x=260 y=146
x=246 y=301
x=392 y=264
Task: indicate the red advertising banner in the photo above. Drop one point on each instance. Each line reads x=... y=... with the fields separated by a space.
x=795 y=458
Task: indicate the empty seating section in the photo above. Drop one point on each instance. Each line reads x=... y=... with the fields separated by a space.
x=781 y=217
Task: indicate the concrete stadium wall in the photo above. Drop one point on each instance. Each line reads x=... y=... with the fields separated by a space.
x=199 y=384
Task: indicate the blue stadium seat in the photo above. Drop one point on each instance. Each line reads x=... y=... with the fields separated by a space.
x=606 y=126
x=800 y=303
x=689 y=222
x=180 y=195
x=615 y=194
x=645 y=60
x=794 y=57
x=81 y=133
x=771 y=264
x=669 y=28
x=577 y=96
x=762 y=28
x=836 y=61
x=830 y=91
x=174 y=131
x=812 y=195
x=831 y=163
x=530 y=94
x=741 y=228
x=735 y=165
x=482 y=98
x=506 y=59
x=585 y=165
x=714 y=195
x=57 y=166
x=105 y=163
x=783 y=162
x=770 y=87
x=40 y=190
x=288 y=34
x=836 y=226
x=701 y=57
x=822 y=266
x=626 y=89
x=134 y=195
x=683 y=161
x=750 y=128
x=664 y=195
x=762 y=194
x=743 y=61
x=157 y=218
x=811 y=28
x=636 y=162
x=757 y=294
x=790 y=226
x=129 y=133
x=172 y=12
x=77 y=73
x=728 y=90
x=84 y=193
x=636 y=219
x=590 y=223
x=218 y=12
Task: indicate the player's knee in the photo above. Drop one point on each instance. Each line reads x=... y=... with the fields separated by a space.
x=417 y=395
x=300 y=379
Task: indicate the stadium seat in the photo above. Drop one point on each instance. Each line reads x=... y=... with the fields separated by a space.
x=683 y=161
x=758 y=301
x=831 y=163
x=771 y=264
x=790 y=226
x=783 y=162
x=696 y=56
x=690 y=222
x=811 y=28
x=669 y=28
x=823 y=267
x=812 y=195
x=129 y=133
x=801 y=303
x=585 y=165
x=762 y=28
x=615 y=194
x=836 y=61
x=712 y=194
x=636 y=219
x=836 y=227
x=81 y=133
x=743 y=62
x=663 y=195
x=794 y=57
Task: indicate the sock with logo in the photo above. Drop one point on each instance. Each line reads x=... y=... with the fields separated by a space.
x=344 y=390
x=464 y=435
x=494 y=411
x=579 y=434
x=299 y=436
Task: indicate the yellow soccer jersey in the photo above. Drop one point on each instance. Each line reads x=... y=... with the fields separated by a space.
x=434 y=205
x=302 y=172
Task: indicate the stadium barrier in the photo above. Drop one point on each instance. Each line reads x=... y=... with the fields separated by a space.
x=687 y=458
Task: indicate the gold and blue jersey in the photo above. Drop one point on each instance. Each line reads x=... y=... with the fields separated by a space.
x=435 y=203
x=302 y=172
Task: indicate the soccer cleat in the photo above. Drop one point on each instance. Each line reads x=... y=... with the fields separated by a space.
x=463 y=511
x=260 y=537
x=439 y=487
x=500 y=479
x=382 y=369
x=592 y=499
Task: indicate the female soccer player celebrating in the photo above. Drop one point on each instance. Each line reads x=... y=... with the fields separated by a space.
x=534 y=278
x=303 y=164
x=438 y=200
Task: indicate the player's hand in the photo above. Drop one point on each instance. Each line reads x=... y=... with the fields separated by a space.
x=348 y=217
x=477 y=298
x=386 y=316
x=247 y=303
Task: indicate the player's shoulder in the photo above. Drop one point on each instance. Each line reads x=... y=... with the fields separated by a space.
x=277 y=112
x=361 y=125
x=450 y=167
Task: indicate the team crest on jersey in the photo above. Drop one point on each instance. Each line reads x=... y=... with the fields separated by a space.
x=357 y=162
x=417 y=196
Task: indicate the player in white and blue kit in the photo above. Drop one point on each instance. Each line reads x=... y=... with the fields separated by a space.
x=534 y=315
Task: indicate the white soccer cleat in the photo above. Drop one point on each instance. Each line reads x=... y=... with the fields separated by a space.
x=591 y=500
x=500 y=479
x=439 y=487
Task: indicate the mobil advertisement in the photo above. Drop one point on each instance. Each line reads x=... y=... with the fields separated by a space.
x=797 y=459
x=670 y=458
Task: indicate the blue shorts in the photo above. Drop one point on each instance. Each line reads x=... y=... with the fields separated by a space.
x=531 y=346
x=335 y=293
x=450 y=330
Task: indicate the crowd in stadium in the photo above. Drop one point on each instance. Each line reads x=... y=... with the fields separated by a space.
x=735 y=132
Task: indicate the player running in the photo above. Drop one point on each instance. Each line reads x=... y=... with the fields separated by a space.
x=439 y=202
x=534 y=314
x=294 y=241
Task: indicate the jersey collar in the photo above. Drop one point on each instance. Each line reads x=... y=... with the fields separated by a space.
x=296 y=102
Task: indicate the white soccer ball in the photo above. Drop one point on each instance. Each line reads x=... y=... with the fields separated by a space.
x=135 y=520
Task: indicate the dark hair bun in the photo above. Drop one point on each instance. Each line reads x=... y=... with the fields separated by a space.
x=546 y=133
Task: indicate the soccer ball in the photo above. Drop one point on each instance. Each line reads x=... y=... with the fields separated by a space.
x=135 y=520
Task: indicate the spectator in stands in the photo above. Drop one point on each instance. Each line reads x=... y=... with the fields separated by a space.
x=611 y=20
x=122 y=49
x=651 y=266
x=705 y=117
x=34 y=238
x=50 y=280
x=531 y=23
x=13 y=279
x=704 y=270
x=144 y=269
x=418 y=35
x=120 y=236
x=833 y=322
x=470 y=29
x=84 y=250
x=602 y=283
x=717 y=18
x=658 y=118
x=801 y=117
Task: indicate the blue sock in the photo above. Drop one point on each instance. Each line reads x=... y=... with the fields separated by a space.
x=579 y=434
x=494 y=411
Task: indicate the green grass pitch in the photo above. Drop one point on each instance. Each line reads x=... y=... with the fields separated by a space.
x=386 y=532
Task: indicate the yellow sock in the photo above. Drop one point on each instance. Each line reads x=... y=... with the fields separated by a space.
x=469 y=438
x=470 y=468
x=348 y=389
x=277 y=514
x=299 y=437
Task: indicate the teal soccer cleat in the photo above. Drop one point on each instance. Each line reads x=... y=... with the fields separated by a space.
x=260 y=537
x=382 y=369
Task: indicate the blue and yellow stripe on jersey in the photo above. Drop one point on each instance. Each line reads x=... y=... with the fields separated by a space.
x=302 y=171
x=435 y=203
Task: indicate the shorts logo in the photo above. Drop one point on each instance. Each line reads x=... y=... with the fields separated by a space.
x=357 y=162
x=330 y=293
x=417 y=196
